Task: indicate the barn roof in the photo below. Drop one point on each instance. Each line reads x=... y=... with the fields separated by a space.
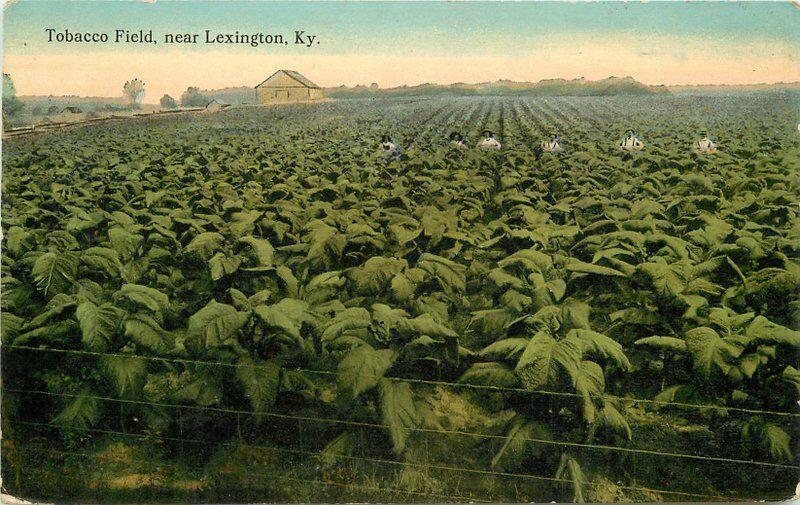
x=294 y=75
x=214 y=101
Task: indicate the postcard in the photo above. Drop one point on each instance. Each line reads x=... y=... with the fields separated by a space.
x=379 y=251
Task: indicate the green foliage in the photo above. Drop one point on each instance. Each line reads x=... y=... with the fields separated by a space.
x=519 y=443
x=215 y=325
x=769 y=438
x=260 y=381
x=569 y=468
x=192 y=97
x=187 y=387
x=545 y=359
x=146 y=332
x=81 y=412
x=318 y=275
x=709 y=351
x=590 y=384
x=398 y=411
x=143 y=297
x=99 y=324
x=363 y=367
x=342 y=445
x=663 y=343
x=127 y=373
x=54 y=272
x=490 y=374
x=11 y=104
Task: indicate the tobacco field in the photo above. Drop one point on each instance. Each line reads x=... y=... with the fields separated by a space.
x=255 y=305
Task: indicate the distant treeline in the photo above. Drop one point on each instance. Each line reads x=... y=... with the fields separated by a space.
x=577 y=87
x=561 y=87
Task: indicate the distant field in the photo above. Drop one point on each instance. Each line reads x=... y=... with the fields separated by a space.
x=254 y=305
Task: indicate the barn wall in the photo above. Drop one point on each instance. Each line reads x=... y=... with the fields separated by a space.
x=273 y=94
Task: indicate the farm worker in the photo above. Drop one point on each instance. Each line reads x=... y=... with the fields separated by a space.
x=457 y=140
x=553 y=144
x=706 y=145
x=631 y=142
x=489 y=141
x=388 y=148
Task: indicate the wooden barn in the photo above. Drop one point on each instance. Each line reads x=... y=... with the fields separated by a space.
x=287 y=86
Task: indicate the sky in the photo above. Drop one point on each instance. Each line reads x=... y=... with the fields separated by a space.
x=396 y=43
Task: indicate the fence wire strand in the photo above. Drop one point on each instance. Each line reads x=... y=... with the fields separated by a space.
x=699 y=406
x=382 y=461
x=561 y=443
x=278 y=477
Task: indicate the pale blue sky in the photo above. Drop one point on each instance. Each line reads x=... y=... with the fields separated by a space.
x=429 y=28
x=410 y=42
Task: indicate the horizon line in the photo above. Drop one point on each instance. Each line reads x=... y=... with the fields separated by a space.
x=430 y=83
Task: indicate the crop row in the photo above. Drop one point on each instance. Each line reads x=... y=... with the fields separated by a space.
x=279 y=242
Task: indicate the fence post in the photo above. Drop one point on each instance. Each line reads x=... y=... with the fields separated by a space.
x=180 y=431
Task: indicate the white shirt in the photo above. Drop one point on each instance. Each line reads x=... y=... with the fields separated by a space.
x=489 y=143
x=631 y=144
x=390 y=149
x=706 y=145
x=552 y=145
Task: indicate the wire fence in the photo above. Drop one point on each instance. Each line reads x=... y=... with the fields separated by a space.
x=446 y=468
x=279 y=477
x=421 y=381
x=366 y=424
x=415 y=429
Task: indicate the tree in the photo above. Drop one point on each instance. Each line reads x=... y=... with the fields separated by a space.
x=193 y=98
x=134 y=92
x=167 y=102
x=11 y=104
